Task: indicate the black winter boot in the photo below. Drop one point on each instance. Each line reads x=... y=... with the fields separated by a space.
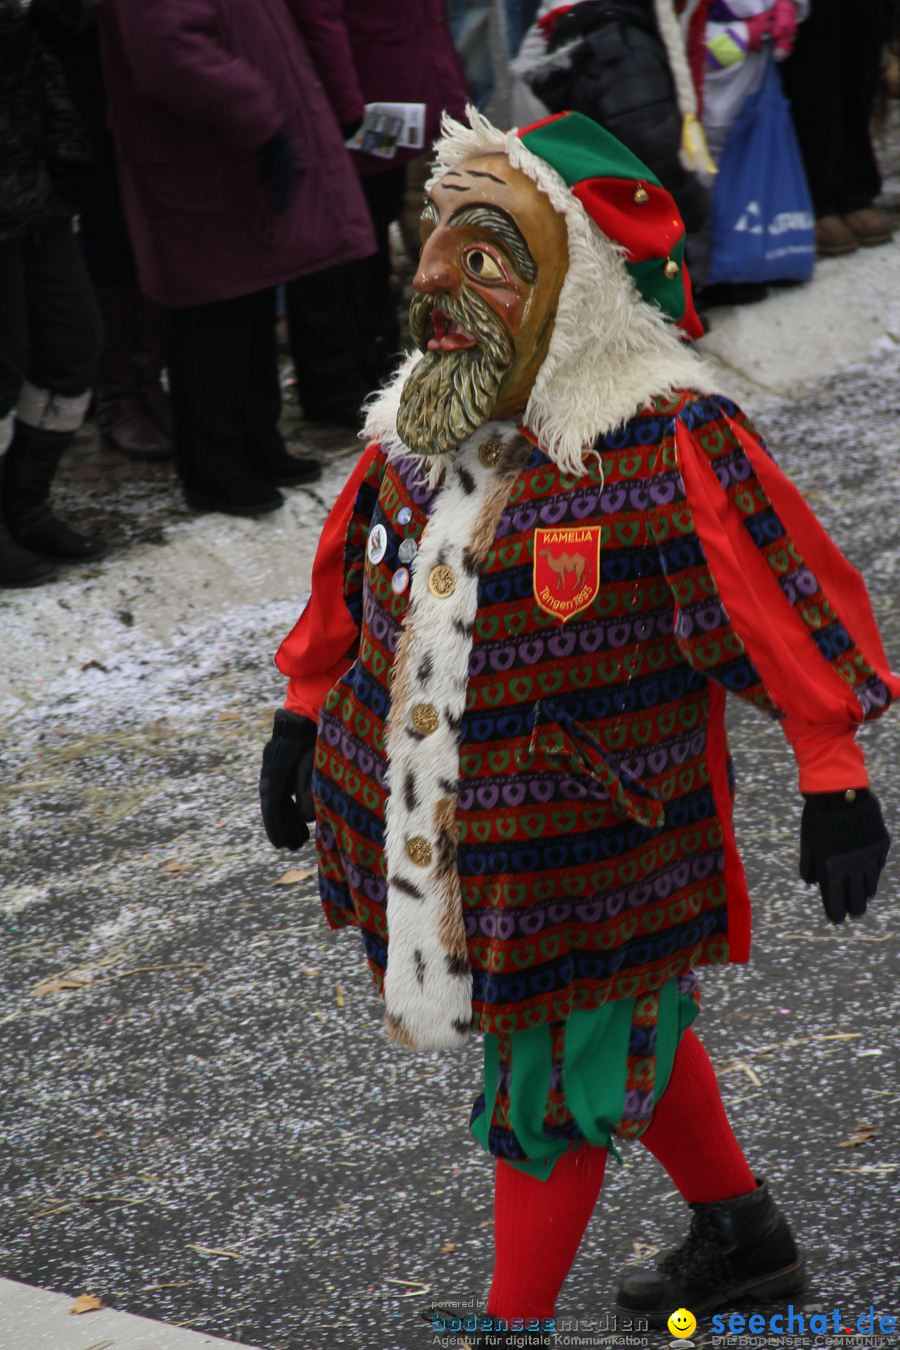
x=19 y=566
x=735 y=1249
x=276 y=464
x=31 y=463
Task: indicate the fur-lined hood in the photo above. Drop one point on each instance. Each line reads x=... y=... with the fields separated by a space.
x=610 y=353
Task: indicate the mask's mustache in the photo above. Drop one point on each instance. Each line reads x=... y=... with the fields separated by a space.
x=450 y=393
x=471 y=313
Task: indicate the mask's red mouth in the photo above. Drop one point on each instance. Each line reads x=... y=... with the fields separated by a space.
x=449 y=336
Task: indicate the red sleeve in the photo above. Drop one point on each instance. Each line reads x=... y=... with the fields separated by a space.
x=324 y=31
x=790 y=624
x=321 y=646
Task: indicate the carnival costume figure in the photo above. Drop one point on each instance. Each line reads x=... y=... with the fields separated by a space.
x=560 y=551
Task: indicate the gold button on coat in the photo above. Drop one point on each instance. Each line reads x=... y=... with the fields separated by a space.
x=489 y=453
x=441 y=581
x=424 y=717
x=418 y=850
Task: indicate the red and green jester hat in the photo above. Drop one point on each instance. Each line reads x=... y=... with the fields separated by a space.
x=560 y=550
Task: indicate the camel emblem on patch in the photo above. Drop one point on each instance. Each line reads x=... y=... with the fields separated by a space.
x=566 y=569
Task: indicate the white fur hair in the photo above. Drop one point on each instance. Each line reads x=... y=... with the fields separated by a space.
x=610 y=352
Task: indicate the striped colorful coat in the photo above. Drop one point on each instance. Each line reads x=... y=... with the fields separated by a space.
x=523 y=806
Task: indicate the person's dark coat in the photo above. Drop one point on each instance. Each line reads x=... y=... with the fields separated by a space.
x=42 y=147
x=387 y=51
x=196 y=89
x=617 y=72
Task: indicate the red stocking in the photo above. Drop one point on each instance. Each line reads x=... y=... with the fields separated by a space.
x=537 y=1228
x=690 y=1134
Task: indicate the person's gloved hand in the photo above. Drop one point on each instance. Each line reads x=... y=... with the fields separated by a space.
x=784 y=27
x=759 y=27
x=285 y=780
x=843 y=847
x=275 y=170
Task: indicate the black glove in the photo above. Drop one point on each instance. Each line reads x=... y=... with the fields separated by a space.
x=843 y=847
x=275 y=170
x=285 y=781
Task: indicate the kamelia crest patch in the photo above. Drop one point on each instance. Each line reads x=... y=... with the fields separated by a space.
x=566 y=569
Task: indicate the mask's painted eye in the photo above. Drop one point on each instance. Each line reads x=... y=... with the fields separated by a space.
x=482 y=265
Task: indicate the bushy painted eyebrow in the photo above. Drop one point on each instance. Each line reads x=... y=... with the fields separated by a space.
x=430 y=213
x=502 y=225
x=475 y=173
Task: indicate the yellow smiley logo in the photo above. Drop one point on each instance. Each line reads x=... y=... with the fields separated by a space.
x=682 y=1323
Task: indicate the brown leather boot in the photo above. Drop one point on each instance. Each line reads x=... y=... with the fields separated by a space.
x=122 y=415
x=870 y=226
x=834 y=238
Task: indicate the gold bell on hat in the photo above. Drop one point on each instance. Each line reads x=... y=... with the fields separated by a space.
x=641 y=195
x=671 y=270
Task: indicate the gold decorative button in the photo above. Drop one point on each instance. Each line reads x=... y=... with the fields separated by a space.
x=850 y=795
x=641 y=195
x=418 y=850
x=489 y=453
x=671 y=270
x=441 y=581
x=424 y=717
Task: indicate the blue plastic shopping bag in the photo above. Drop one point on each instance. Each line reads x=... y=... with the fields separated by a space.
x=761 y=223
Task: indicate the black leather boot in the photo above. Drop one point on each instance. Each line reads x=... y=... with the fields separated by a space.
x=735 y=1249
x=276 y=464
x=19 y=566
x=31 y=463
x=248 y=495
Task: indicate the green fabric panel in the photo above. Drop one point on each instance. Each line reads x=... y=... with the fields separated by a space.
x=655 y=286
x=668 y=1034
x=577 y=147
x=530 y=1070
x=595 y=1068
x=481 y=1125
x=673 y=1023
x=595 y=1059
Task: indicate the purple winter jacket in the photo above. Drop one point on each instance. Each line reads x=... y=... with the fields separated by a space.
x=195 y=88
x=388 y=51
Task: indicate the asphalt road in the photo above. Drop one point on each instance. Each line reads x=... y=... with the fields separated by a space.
x=203 y=1120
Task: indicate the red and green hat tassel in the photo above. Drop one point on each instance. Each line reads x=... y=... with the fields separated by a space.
x=627 y=203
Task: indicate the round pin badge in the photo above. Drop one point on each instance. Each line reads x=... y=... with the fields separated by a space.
x=404 y=515
x=407 y=550
x=400 y=580
x=377 y=545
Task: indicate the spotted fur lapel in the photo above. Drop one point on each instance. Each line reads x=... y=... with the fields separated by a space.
x=428 y=984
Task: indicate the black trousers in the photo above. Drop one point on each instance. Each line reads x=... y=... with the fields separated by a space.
x=103 y=231
x=344 y=329
x=223 y=376
x=51 y=333
x=831 y=79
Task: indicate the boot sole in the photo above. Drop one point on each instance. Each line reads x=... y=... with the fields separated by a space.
x=21 y=584
x=199 y=501
x=789 y=1280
